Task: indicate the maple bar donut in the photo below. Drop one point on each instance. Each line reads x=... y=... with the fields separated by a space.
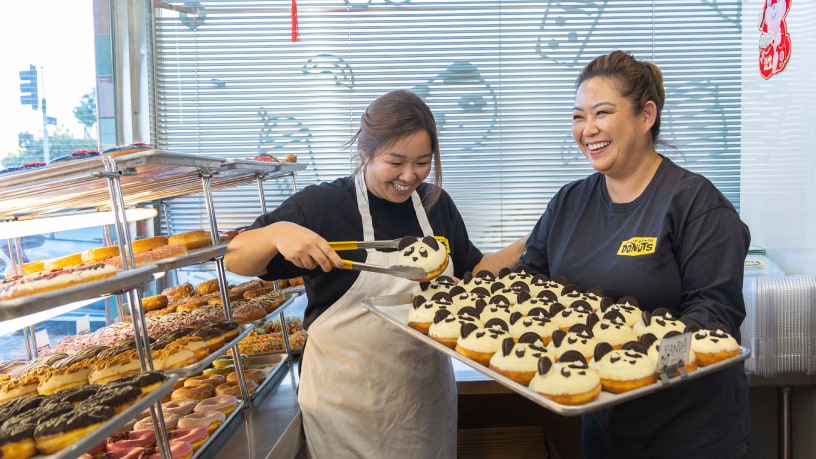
x=147 y=243
x=212 y=380
x=191 y=239
x=66 y=261
x=99 y=254
x=222 y=403
x=195 y=436
x=210 y=419
x=426 y=253
x=55 y=433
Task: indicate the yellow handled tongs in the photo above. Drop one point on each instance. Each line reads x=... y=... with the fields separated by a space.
x=340 y=246
x=407 y=272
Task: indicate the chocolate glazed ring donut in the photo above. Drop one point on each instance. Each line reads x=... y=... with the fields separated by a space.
x=58 y=432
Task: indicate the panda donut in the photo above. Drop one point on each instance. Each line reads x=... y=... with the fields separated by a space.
x=425 y=253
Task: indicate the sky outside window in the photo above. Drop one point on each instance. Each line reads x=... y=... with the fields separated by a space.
x=57 y=37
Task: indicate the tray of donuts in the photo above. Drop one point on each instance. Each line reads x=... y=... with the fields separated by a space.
x=259 y=370
x=570 y=351
x=77 y=420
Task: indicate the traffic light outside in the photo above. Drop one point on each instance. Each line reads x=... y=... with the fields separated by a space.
x=28 y=87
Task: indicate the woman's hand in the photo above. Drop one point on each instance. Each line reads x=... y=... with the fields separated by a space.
x=304 y=248
x=248 y=254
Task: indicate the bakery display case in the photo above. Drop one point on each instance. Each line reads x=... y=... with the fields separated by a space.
x=115 y=186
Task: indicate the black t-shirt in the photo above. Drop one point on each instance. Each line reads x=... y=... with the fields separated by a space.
x=330 y=209
x=680 y=245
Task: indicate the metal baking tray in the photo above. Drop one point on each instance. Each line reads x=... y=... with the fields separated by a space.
x=198 y=367
x=274 y=361
x=123 y=280
x=236 y=172
x=394 y=309
x=115 y=423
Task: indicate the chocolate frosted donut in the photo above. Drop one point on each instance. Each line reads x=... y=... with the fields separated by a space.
x=54 y=433
x=78 y=394
x=119 y=397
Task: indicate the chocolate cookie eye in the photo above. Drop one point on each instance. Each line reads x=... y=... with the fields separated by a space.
x=544 y=365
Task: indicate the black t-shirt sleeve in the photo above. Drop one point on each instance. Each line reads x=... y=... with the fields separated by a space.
x=710 y=249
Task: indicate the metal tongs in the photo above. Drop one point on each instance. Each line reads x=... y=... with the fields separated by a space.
x=407 y=272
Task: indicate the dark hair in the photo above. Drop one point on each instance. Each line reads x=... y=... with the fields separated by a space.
x=390 y=118
x=639 y=81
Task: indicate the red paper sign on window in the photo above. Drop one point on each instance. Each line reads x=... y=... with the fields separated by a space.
x=774 y=39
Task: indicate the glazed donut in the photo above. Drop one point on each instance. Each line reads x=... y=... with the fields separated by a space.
x=178 y=291
x=209 y=286
x=132 y=439
x=145 y=244
x=62 y=262
x=182 y=406
x=232 y=388
x=222 y=403
x=251 y=374
x=210 y=419
x=154 y=302
x=55 y=433
x=212 y=380
x=195 y=436
x=196 y=393
x=170 y=420
x=191 y=239
x=99 y=254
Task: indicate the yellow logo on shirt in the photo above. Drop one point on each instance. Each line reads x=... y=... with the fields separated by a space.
x=444 y=241
x=637 y=246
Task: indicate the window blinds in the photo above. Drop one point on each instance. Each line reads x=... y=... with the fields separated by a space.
x=499 y=76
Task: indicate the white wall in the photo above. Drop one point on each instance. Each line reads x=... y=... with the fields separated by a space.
x=778 y=196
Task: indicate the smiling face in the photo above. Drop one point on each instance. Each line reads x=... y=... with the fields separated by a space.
x=395 y=171
x=614 y=138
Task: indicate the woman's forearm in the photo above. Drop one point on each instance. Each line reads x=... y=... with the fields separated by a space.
x=507 y=257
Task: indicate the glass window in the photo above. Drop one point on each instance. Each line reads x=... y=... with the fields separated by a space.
x=499 y=75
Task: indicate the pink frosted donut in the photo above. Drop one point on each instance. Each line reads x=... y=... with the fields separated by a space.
x=177 y=449
x=223 y=403
x=133 y=439
x=192 y=435
x=210 y=419
x=124 y=453
x=170 y=420
x=181 y=407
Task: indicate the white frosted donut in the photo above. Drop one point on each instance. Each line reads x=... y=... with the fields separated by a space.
x=210 y=419
x=223 y=403
x=171 y=420
x=182 y=407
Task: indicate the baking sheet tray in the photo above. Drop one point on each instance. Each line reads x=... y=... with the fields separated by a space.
x=395 y=309
x=115 y=423
x=220 y=429
x=123 y=280
x=274 y=362
x=193 y=257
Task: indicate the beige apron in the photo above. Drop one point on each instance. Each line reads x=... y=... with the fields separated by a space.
x=368 y=389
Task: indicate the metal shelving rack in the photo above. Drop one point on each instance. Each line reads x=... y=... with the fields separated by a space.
x=106 y=183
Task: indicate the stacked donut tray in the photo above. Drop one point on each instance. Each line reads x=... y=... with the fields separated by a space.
x=394 y=309
x=114 y=424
